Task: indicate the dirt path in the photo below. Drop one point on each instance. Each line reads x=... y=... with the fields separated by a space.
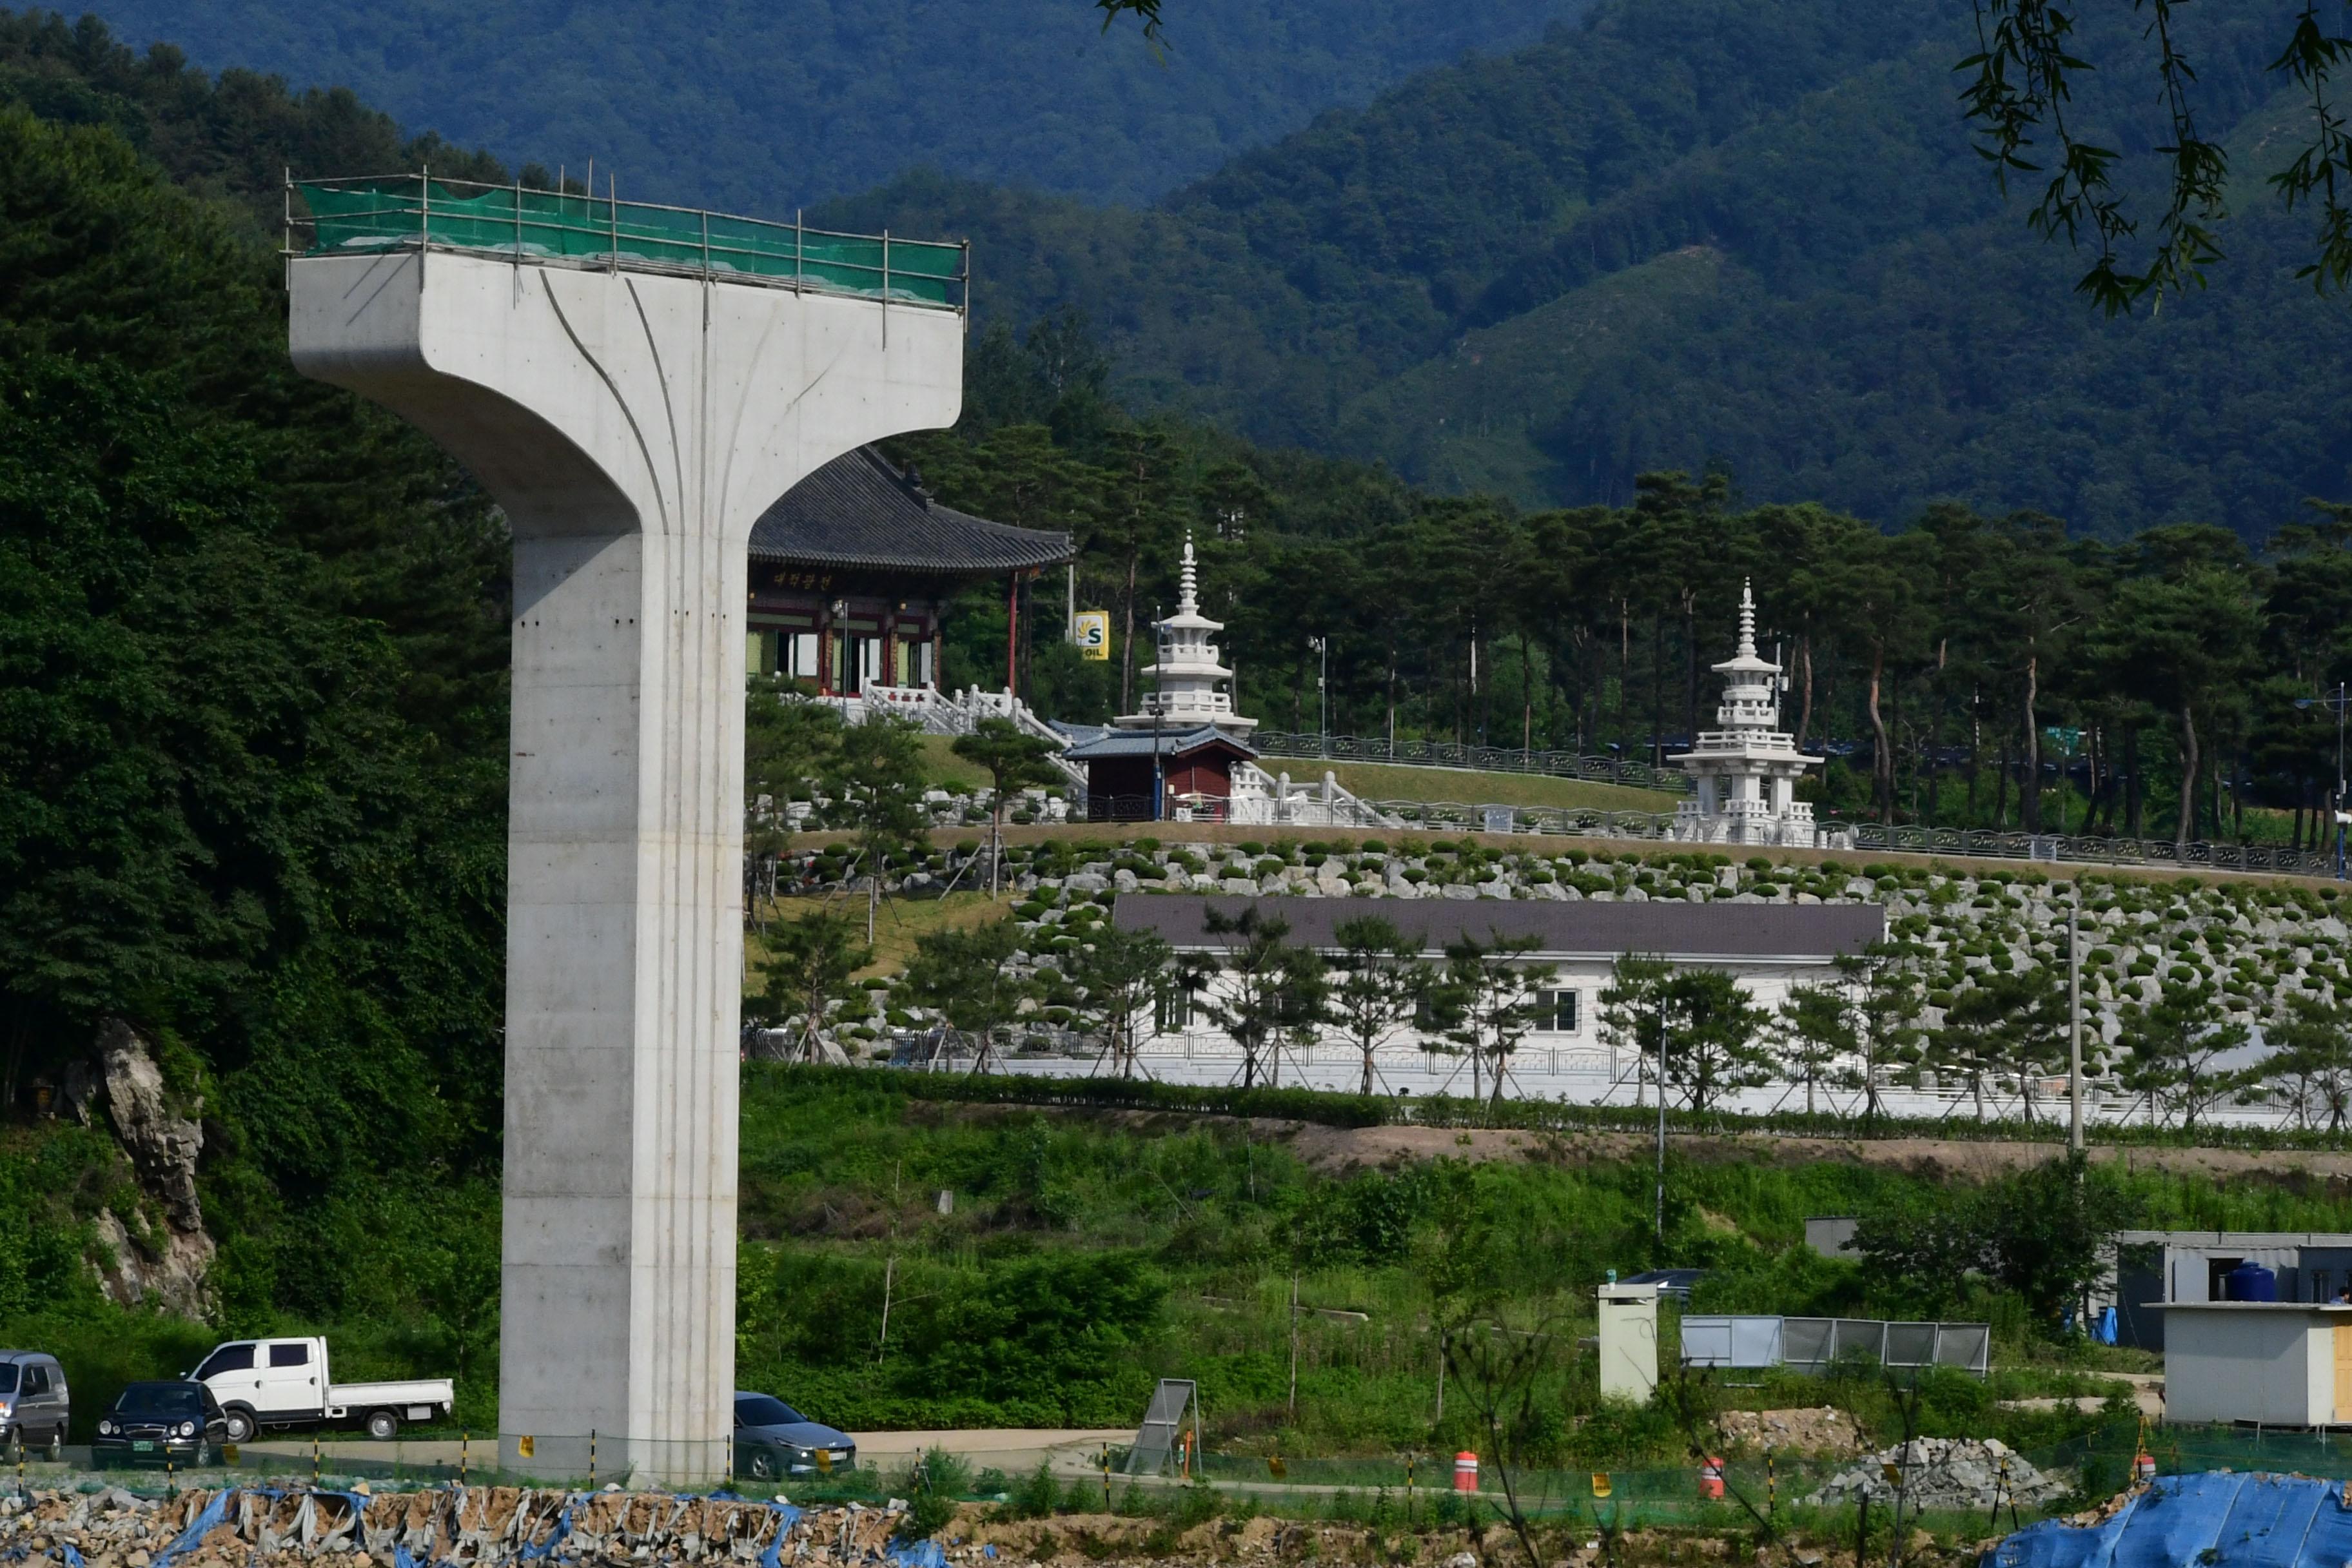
x=1339 y=1148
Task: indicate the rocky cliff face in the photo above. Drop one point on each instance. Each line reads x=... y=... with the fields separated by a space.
x=162 y=1251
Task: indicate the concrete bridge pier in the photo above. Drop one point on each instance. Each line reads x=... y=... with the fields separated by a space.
x=631 y=423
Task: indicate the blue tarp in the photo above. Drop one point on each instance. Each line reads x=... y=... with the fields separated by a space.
x=2207 y=1521
x=786 y=1517
x=215 y=1511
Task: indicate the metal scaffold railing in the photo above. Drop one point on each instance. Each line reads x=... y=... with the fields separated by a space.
x=378 y=213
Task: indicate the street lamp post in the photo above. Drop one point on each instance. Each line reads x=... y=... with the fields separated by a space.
x=1322 y=648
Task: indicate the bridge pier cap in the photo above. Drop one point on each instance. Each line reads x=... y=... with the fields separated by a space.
x=633 y=416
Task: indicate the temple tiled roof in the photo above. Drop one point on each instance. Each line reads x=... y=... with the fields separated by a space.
x=859 y=511
x=1091 y=742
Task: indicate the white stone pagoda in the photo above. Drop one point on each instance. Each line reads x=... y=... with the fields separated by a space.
x=1746 y=773
x=1188 y=691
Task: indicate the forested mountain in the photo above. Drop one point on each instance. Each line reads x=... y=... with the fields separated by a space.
x=1692 y=232
x=760 y=105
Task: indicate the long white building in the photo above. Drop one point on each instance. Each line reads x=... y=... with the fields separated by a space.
x=1768 y=948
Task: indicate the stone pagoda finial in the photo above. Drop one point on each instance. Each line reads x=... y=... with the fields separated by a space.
x=1747 y=620
x=1188 y=598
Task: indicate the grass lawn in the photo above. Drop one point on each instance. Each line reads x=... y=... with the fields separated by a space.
x=896 y=924
x=945 y=769
x=1385 y=781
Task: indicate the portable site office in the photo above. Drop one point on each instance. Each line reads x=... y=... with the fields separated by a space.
x=2278 y=1363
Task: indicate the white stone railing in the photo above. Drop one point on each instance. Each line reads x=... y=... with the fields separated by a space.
x=1264 y=799
x=940 y=714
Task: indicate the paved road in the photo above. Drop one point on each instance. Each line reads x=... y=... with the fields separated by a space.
x=1070 y=1450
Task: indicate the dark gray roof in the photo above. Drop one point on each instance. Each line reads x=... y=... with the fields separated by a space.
x=858 y=510
x=1678 y=930
x=1088 y=742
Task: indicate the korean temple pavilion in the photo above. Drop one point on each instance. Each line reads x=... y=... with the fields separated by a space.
x=1178 y=756
x=851 y=571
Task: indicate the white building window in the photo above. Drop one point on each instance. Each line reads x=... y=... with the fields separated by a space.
x=1172 y=1010
x=1556 y=1011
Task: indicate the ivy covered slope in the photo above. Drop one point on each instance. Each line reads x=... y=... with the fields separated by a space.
x=1697 y=231
x=251 y=757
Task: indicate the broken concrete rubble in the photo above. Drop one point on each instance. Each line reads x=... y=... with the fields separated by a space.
x=1946 y=1473
x=478 y=1527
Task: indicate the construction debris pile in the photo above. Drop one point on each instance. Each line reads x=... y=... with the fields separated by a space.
x=1826 y=1430
x=1945 y=1473
x=478 y=1527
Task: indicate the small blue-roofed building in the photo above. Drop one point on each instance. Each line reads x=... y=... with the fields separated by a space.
x=1156 y=775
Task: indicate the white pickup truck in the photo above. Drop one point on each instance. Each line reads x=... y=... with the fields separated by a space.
x=285 y=1382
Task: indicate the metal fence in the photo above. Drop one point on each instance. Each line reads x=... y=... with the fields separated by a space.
x=373 y=213
x=1816 y=1344
x=2055 y=848
x=1479 y=759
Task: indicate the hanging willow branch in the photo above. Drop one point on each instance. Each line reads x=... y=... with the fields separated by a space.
x=2022 y=68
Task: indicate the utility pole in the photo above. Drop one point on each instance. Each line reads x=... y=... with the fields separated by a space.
x=1661 y=1206
x=2075 y=1024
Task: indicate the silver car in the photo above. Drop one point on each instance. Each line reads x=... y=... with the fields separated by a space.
x=36 y=1407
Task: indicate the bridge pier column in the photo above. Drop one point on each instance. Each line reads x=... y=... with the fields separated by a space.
x=633 y=425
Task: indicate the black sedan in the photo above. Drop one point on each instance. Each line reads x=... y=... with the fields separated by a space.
x=774 y=1440
x=155 y=1423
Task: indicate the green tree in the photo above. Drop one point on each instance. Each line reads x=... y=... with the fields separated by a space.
x=810 y=963
x=1489 y=1002
x=2027 y=70
x=1817 y=1032
x=1379 y=984
x=1714 y=1037
x=1015 y=759
x=2176 y=1050
x=879 y=777
x=1264 y=987
x=787 y=745
x=972 y=980
x=1883 y=980
x=2183 y=643
x=1633 y=1014
x=2042 y=1233
x=2314 y=1053
x=1122 y=973
x=2005 y=1024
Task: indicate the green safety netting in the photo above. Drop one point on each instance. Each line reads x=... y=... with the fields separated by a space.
x=391 y=213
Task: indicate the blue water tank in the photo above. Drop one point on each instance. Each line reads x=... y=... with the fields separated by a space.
x=2250 y=1282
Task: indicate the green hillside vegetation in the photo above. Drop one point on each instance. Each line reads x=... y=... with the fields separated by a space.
x=1088 y=1254
x=1489 y=277
x=251 y=777
x=1462 y=421
x=759 y=107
